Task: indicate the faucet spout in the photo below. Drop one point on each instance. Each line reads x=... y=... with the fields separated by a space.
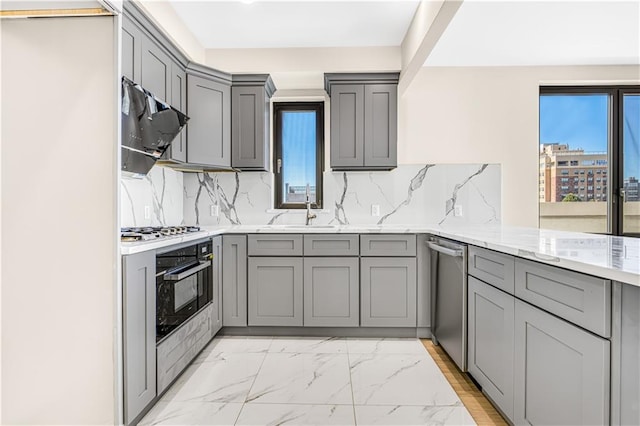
x=310 y=216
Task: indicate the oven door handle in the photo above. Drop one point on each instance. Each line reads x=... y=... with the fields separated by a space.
x=188 y=272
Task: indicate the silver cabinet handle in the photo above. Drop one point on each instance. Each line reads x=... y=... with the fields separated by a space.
x=445 y=250
x=188 y=272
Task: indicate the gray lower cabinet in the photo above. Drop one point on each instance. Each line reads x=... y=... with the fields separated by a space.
x=234 y=280
x=625 y=355
x=139 y=300
x=275 y=291
x=216 y=272
x=491 y=342
x=331 y=296
x=561 y=371
x=388 y=292
x=493 y=268
x=209 y=128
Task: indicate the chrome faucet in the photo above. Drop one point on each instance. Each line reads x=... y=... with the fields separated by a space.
x=310 y=215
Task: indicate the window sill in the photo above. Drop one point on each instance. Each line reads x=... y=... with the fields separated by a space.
x=298 y=211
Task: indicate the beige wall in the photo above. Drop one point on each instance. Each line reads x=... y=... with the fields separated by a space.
x=304 y=68
x=486 y=114
x=59 y=223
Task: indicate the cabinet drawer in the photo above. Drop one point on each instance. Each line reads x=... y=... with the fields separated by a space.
x=275 y=245
x=331 y=245
x=179 y=349
x=493 y=268
x=388 y=245
x=581 y=299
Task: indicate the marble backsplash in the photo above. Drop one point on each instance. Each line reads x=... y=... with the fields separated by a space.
x=161 y=191
x=410 y=194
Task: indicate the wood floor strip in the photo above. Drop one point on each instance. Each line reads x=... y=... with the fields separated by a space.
x=476 y=403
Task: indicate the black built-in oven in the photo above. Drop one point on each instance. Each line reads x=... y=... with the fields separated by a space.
x=184 y=285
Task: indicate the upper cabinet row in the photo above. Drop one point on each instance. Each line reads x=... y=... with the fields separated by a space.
x=229 y=126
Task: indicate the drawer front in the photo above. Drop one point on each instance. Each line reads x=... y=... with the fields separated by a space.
x=331 y=245
x=177 y=351
x=493 y=268
x=581 y=299
x=275 y=245
x=388 y=245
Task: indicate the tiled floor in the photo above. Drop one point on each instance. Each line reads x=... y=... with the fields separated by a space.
x=331 y=381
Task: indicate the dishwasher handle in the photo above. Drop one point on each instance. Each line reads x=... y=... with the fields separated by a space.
x=445 y=250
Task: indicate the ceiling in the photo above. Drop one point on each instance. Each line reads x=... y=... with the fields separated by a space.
x=282 y=24
x=518 y=32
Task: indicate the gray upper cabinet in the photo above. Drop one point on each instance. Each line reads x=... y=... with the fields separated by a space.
x=364 y=120
x=156 y=70
x=380 y=125
x=139 y=294
x=131 y=49
x=331 y=296
x=234 y=280
x=209 y=128
x=275 y=291
x=561 y=371
x=250 y=141
x=178 y=148
x=347 y=126
x=388 y=292
x=491 y=342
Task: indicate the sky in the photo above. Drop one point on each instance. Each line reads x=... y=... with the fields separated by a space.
x=582 y=122
x=299 y=148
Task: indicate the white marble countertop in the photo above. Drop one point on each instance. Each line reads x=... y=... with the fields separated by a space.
x=616 y=258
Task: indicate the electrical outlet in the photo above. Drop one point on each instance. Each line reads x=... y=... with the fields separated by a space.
x=375 y=210
x=214 y=210
x=457 y=211
x=147 y=212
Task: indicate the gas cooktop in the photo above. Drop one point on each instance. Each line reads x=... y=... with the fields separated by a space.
x=154 y=232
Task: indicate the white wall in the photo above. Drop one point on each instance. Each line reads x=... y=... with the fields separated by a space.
x=489 y=115
x=59 y=220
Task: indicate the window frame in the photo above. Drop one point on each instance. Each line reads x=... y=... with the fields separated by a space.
x=615 y=169
x=278 y=109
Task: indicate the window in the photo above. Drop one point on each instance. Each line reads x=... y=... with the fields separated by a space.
x=599 y=128
x=299 y=153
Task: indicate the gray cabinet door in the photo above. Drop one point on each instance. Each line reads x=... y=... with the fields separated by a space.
x=491 y=341
x=625 y=355
x=155 y=70
x=561 y=371
x=388 y=245
x=178 y=148
x=423 y=262
x=275 y=291
x=131 y=50
x=331 y=292
x=216 y=272
x=249 y=128
x=209 y=128
x=388 y=292
x=347 y=126
x=380 y=125
x=139 y=294
x=234 y=281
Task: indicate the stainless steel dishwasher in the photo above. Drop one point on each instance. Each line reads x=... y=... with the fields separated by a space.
x=449 y=298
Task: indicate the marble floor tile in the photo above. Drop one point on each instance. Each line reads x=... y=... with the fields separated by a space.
x=311 y=345
x=238 y=344
x=296 y=414
x=412 y=415
x=223 y=377
x=303 y=379
x=192 y=413
x=399 y=379
x=385 y=346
